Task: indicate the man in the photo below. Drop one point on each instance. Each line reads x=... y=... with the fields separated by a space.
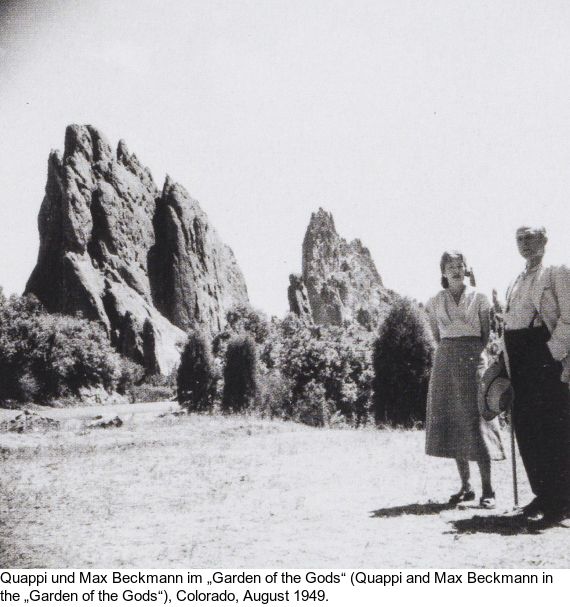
x=537 y=340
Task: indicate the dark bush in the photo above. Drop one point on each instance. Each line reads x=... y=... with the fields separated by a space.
x=274 y=394
x=45 y=356
x=130 y=377
x=240 y=375
x=312 y=406
x=402 y=363
x=336 y=359
x=243 y=318
x=195 y=375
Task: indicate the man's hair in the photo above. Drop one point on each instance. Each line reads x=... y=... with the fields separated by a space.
x=535 y=230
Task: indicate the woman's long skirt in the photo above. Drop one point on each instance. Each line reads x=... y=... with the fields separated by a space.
x=454 y=427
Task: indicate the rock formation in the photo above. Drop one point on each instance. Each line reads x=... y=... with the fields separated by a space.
x=194 y=277
x=298 y=297
x=341 y=280
x=113 y=247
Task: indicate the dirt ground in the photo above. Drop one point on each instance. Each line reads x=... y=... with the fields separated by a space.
x=208 y=491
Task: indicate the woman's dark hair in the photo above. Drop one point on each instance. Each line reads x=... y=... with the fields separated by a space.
x=450 y=256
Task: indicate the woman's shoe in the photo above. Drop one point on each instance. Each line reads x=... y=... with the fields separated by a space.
x=462 y=496
x=488 y=502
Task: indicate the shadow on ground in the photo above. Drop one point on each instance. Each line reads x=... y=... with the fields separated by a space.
x=499 y=524
x=417 y=509
x=504 y=524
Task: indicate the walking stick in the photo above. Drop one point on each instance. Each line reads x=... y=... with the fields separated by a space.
x=513 y=458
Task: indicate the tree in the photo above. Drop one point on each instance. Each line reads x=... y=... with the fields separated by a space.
x=334 y=358
x=242 y=318
x=195 y=376
x=402 y=361
x=240 y=375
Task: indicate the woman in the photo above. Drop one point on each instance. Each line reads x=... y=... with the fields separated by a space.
x=459 y=318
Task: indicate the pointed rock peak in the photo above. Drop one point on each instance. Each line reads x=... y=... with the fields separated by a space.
x=77 y=140
x=341 y=279
x=168 y=184
x=101 y=148
x=173 y=191
x=54 y=160
x=322 y=221
x=55 y=165
x=123 y=153
x=87 y=141
x=132 y=163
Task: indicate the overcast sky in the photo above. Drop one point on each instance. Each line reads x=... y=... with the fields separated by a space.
x=420 y=125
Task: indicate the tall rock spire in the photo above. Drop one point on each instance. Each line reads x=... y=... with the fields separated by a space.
x=104 y=228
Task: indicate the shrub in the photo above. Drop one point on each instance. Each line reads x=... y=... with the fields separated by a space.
x=44 y=356
x=244 y=319
x=402 y=363
x=337 y=359
x=240 y=375
x=195 y=375
x=131 y=375
x=274 y=394
x=312 y=406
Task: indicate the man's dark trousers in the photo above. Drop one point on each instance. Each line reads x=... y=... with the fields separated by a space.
x=541 y=415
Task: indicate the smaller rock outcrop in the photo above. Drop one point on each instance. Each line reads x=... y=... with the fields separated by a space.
x=341 y=279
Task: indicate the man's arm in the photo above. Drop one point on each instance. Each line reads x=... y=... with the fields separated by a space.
x=559 y=343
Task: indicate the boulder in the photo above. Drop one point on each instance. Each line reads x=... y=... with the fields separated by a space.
x=105 y=422
x=28 y=421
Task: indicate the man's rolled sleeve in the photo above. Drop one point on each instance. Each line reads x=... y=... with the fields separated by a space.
x=559 y=344
x=558 y=350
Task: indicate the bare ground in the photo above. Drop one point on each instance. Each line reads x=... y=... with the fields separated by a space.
x=209 y=491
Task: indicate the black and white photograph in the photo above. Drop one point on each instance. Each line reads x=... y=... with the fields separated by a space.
x=284 y=284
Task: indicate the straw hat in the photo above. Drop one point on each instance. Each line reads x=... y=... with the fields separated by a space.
x=495 y=392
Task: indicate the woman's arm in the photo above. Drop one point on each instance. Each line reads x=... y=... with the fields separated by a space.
x=485 y=318
x=430 y=309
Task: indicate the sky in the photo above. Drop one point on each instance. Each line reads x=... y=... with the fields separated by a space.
x=421 y=126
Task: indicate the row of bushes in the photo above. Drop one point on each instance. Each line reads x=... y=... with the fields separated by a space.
x=315 y=375
x=285 y=368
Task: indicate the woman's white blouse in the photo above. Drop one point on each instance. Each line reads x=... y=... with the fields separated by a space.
x=468 y=318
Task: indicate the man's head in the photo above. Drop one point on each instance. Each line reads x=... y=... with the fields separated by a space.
x=531 y=241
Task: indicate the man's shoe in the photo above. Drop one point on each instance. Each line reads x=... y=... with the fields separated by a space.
x=554 y=514
x=534 y=508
